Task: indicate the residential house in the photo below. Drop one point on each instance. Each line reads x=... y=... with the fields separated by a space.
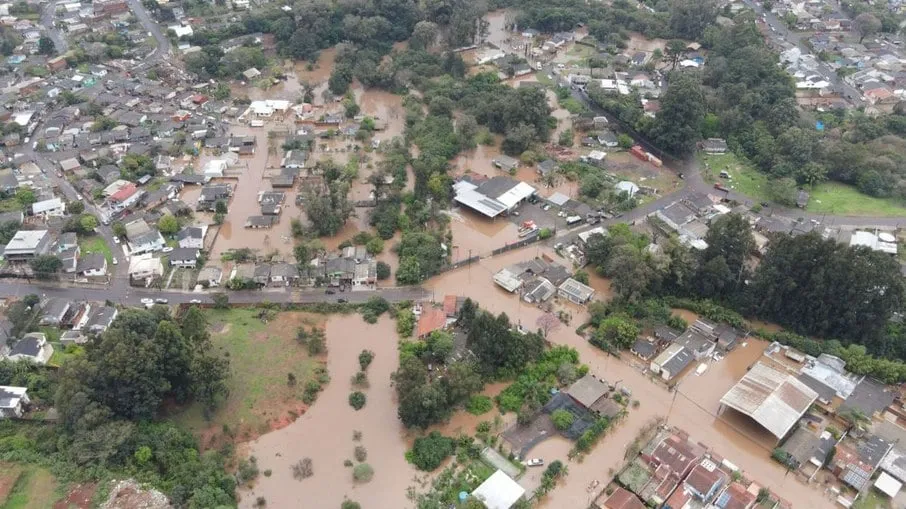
x=183 y=257
x=70 y=259
x=27 y=244
x=261 y=221
x=13 y=401
x=54 y=207
x=294 y=159
x=608 y=139
x=704 y=480
x=100 y=319
x=92 y=265
x=261 y=274
x=588 y=390
x=808 y=451
x=145 y=266
x=32 y=347
x=575 y=291
x=700 y=345
x=211 y=194
x=505 y=163
x=431 y=319
x=547 y=167
x=143 y=238
x=127 y=196
x=736 y=496
x=70 y=165
x=192 y=236
x=54 y=311
x=210 y=276
x=671 y=362
x=284 y=274
x=619 y=499
x=677 y=454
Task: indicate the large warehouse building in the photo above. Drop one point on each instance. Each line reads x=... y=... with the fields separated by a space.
x=492 y=197
x=774 y=399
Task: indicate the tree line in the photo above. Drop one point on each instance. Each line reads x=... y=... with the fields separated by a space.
x=808 y=284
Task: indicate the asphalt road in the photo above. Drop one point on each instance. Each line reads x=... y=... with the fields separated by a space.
x=127 y=295
x=782 y=33
x=47 y=16
x=163 y=44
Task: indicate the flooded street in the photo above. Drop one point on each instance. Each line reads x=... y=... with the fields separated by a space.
x=691 y=409
x=325 y=432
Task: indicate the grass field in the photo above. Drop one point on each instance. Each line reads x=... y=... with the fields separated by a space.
x=871 y=500
x=743 y=178
x=841 y=199
x=261 y=355
x=32 y=487
x=95 y=244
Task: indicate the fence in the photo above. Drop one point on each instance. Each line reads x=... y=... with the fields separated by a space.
x=460 y=263
x=522 y=243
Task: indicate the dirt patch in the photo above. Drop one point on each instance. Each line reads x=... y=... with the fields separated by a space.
x=220 y=328
x=79 y=496
x=9 y=474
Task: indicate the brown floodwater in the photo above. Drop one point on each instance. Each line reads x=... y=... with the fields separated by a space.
x=324 y=433
x=475 y=233
x=244 y=203
x=692 y=409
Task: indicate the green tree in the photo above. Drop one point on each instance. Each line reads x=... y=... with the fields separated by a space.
x=730 y=237
x=46 y=46
x=119 y=229
x=45 y=266
x=866 y=24
x=618 y=332
x=677 y=125
x=562 y=419
x=25 y=197
x=221 y=300
x=357 y=400
x=430 y=451
x=689 y=18
x=168 y=225
x=675 y=49
x=383 y=271
x=87 y=223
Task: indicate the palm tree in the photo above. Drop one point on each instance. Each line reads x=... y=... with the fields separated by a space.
x=853 y=417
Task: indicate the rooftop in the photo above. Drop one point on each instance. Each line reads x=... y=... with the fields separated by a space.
x=587 y=390
x=772 y=398
x=499 y=491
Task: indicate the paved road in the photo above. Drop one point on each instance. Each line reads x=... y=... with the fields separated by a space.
x=163 y=44
x=126 y=295
x=780 y=32
x=47 y=18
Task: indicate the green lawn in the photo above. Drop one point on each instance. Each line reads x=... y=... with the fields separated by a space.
x=261 y=355
x=95 y=244
x=871 y=500
x=743 y=177
x=35 y=487
x=841 y=199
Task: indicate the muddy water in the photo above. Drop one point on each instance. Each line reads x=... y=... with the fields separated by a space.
x=475 y=233
x=324 y=433
x=692 y=409
x=244 y=203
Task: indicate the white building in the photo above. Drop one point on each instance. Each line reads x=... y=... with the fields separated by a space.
x=145 y=266
x=499 y=491
x=12 y=401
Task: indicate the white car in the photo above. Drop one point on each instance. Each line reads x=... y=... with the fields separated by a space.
x=167 y=249
x=534 y=462
x=115 y=261
x=195 y=301
x=116 y=240
x=146 y=301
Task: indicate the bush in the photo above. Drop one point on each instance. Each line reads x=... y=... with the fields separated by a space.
x=562 y=419
x=479 y=404
x=430 y=451
x=365 y=359
x=360 y=379
x=248 y=470
x=362 y=472
x=383 y=271
x=349 y=504
x=357 y=400
x=360 y=453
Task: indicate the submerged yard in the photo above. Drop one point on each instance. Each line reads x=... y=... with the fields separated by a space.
x=26 y=486
x=262 y=354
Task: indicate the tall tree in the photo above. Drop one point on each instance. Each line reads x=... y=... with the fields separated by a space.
x=866 y=24
x=690 y=18
x=677 y=125
x=730 y=237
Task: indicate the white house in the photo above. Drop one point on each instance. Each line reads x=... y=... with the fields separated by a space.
x=32 y=347
x=214 y=168
x=145 y=266
x=53 y=207
x=12 y=401
x=92 y=265
x=183 y=257
x=192 y=236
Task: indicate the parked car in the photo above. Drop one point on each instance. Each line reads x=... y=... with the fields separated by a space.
x=167 y=249
x=330 y=291
x=116 y=240
x=161 y=300
x=341 y=300
x=147 y=301
x=116 y=262
x=534 y=462
x=195 y=301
